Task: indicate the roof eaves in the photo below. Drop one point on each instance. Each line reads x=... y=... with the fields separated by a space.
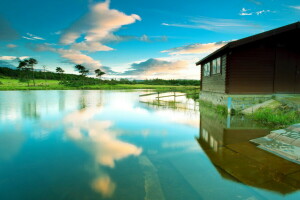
x=253 y=38
x=215 y=52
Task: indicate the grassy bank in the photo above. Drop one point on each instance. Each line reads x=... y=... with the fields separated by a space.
x=274 y=118
x=280 y=117
x=216 y=108
x=14 y=84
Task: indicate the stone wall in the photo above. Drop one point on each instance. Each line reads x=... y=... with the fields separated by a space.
x=239 y=102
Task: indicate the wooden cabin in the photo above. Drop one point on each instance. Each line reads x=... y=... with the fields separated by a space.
x=266 y=63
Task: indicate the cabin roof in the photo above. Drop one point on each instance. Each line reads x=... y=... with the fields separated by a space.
x=250 y=39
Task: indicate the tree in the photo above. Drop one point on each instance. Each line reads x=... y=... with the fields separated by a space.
x=23 y=67
x=28 y=65
x=45 y=78
x=99 y=73
x=60 y=71
x=82 y=70
x=31 y=62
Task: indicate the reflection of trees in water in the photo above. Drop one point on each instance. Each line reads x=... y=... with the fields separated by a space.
x=90 y=98
x=82 y=99
x=62 y=100
x=29 y=105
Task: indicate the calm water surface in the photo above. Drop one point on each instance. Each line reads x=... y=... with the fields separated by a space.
x=110 y=145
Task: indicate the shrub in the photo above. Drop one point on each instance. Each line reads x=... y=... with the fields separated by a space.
x=278 y=118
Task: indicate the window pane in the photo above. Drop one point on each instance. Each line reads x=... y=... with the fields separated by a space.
x=214 y=66
x=207 y=69
x=218 y=65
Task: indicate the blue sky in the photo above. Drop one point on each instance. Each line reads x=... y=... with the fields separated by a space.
x=132 y=38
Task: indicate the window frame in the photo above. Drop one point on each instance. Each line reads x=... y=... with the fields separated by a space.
x=217 y=66
x=207 y=69
x=219 y=63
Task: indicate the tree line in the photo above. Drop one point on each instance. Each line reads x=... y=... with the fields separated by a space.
x=26 y=72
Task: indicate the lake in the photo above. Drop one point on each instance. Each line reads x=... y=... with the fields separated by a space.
x=112 y=145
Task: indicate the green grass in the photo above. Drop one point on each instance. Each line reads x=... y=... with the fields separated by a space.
x=277 y=118
x=217 y=108
x=14 y=84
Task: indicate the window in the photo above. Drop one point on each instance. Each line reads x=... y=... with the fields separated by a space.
x=207 y=69
x=224 y=61
x=216 y=66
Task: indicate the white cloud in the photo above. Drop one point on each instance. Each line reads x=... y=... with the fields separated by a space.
x=11 y=46
x=197 y=48
x=30 y=36
x=177 y=66
x=72 y=56
x=90 y=46
x=217 y=24
x=144 y=38
x=156 y=67
x=23 y=57
x=10 y=58
x=27 y=38
x=57 y=33
x=244 y=12
x=95 y=27
x=295 y=7
x=262 y=11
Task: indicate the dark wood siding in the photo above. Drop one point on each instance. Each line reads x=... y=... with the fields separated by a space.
x=215 y=82
x=251 y=69
x=266 y=63
x=287 y=73
x=297 y=84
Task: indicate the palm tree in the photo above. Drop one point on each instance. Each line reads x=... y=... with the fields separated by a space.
x=60 y=71
x=99 y=73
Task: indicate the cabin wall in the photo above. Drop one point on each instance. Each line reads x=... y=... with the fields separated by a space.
x=267 y=66
x=287 y=65
x=215 y=82
x=251 y=69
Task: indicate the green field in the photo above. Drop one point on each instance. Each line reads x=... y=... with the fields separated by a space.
x=14 y=84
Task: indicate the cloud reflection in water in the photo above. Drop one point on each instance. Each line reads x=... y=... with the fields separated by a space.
x=97 y=138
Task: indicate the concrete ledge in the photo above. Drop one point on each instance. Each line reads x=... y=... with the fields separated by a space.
x=239 y=102
x=267 y=104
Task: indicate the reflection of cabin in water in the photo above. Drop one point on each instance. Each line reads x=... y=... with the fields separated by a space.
x=266 y=63
x=227 y=146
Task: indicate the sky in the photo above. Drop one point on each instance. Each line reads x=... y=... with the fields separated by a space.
x=136 y=39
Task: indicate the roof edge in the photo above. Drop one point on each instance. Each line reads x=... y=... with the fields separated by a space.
x=253 y=38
